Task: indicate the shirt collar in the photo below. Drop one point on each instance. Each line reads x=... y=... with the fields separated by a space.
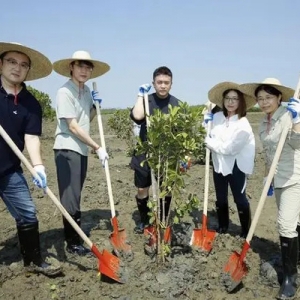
x=277 y=114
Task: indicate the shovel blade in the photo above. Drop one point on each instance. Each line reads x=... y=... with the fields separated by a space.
x=109 y=265
x=120 y=243
x=151 y=244
x=167 y=235
x=203 y=238
x=236 y=270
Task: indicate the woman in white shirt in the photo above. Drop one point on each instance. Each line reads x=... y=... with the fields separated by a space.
x=233 y=149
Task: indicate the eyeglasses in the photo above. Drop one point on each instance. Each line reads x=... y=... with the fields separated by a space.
x=268 y=99
x=232 y=100
x=83 y=66
x=13 y=64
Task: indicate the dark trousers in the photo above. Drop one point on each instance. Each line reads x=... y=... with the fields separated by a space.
x=236 y=180
x=71 y=168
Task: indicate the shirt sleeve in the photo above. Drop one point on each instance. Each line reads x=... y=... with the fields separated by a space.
x=138 y=122
x=294 y=140
x=34 y=119
x=65 y=105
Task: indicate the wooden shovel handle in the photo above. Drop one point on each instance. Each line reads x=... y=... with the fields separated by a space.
x=207 y=156
x=24 y=160
x=153 y=179
x=107 y=173
x=286 y=128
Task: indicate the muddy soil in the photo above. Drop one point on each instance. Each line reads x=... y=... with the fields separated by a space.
x=188 y=274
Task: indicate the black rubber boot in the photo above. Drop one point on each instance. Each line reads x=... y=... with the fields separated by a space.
x=29 y=239
x=289 y=252
x=167 y=207
x=223 y=218
x=245 y=219
x=144 y=218
x=74 y=242
x=298 y=230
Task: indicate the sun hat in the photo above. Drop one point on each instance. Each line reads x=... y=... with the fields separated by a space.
x=62 y=66
x=287 y=93
x=215 y=94
x=40 y=65
x=205 y=109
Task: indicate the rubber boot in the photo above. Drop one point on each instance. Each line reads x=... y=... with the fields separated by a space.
x=167 y=207
x=245 y=219
x=298 y=230
x=289 y=252
x=74 y=242
x=144 y=218
x=29 y=240
x=223 y=218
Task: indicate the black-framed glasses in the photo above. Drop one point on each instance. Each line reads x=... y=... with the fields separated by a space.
x=232 y=100
x=13 y=64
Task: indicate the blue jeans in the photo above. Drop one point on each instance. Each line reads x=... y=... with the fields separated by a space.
x=15 y=193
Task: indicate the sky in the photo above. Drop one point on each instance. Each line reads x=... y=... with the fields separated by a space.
x=202 y=42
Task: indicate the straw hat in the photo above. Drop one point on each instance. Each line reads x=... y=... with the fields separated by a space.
x=205 y=109
x=40 y=64
x=215 y=94
x=287 y=93
x=62 y=66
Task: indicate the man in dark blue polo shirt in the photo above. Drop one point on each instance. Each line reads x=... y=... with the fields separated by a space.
x=21 y=118
x=162 y=83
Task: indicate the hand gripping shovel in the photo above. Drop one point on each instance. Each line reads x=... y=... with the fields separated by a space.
x=109 y=265
x=235 y=269
x=204 y=238
x=118 y=238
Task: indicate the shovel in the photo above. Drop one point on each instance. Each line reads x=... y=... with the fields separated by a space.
x=235 y=269
x=109 y=265
x=204 y=238
x=118 y=237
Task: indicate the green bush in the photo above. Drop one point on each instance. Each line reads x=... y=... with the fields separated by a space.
x=45 y=101
x=122 y=126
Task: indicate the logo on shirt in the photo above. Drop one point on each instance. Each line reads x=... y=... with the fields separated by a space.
x=15 y=112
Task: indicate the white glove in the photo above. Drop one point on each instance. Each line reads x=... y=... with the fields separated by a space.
x=41 y=178
x=294 y=108
x=103 y=156
x=145 y=88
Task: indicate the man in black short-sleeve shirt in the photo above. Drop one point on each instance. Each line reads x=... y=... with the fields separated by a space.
x=21 y=118
x=162 y=82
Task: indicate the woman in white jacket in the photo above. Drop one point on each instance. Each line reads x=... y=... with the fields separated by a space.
x=233 y=149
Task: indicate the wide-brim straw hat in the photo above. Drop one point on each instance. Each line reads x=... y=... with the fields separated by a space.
x=205 y=109
x=286 y=92
x=62 y=66
x=215 y=94
x=40 y=65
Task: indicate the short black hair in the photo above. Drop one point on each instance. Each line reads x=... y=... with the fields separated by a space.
x=86 y=62
x=268 y=89
x=162 y=71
